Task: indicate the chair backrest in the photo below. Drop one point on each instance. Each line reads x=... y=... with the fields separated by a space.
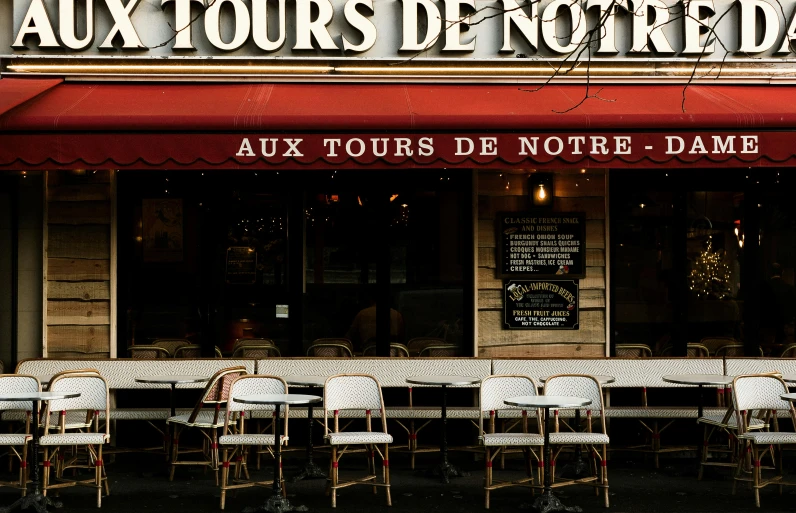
x=217 y=390
x=94 y=397
x=633 y=351
x=697 y=351
x=734 y=350
x=148 y=352
x=417 y=344
x=352 y=392
x=171 y=344
x=248 y=384
x=396 y=350
x=256 y=351
x=335 y=340
x=577 y=385
x=714 y=343
x=760 y=392
x=252 y=342
x=189 y=351
x=18 y=383
x=329 y=350
x=439 y=351
x=789 y=352
x=496 y=389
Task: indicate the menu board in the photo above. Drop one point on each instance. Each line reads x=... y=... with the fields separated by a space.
x=541 y=244
x=241 y=265
x=540 y=305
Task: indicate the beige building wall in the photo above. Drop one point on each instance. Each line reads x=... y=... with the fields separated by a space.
x=576 y=190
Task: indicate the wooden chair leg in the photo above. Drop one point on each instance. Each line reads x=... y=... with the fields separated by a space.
x=757 y=472
x=372 y=464
x=46 y=477
x=175 y=451
x=224 y=476
x=334 y=476
x=604 y=469
x=98 y=476
x=386 y=465
x=487 y=476
x=703 y=452
x=23 y=470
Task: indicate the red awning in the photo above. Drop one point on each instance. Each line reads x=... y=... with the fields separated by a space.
x=247 y=125
x=17 y=91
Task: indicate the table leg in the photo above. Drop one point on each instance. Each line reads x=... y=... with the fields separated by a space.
x=700 y=446
x=310 y=470
x=548 y=502
x=171 y=429
x=276 y=503
x=445 y=470
x=36 y=500
x=579 y=468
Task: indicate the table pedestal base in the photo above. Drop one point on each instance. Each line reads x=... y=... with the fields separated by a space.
x=548 y=502
x=35 y=501
x=310 y=471
x=445 y=471
x=576 y=470
x=275 y=504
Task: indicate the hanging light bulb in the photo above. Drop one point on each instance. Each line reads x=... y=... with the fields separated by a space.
x=542 y=194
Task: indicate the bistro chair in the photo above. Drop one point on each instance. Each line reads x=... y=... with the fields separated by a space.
x=761 y=392
x=396 y=350
x=633 y=351
x=171 y=344
x=256 y=351
x=194 y=351
x=356 y=392
x=75 y=419
x=236 y=442
x=148 y=352
x=417 y=344
x=714 y=343
x=208 y=421
x=93 y=400
x=789 y=351
x=495 y=390
x=734 y=350
x=595 y=442
x=17 y=443
x=692 y=351
x=252 y=342
x=323 y=349
x=439 y=351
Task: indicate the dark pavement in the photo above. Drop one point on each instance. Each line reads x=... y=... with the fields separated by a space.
x=139 y=483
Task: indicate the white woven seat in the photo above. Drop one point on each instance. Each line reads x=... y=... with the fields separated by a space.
x=659 y=412
x=359 y=437
x=770 y=437
x=74 y=439
x=732 y=423
x=205 y=419
x=250 y=439
x=432 y=412
x=578 y=438
x=512 y=439
x=143 y=413
x=14 y=439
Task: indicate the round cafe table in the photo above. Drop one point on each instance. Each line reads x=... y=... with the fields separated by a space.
x=444 y=469
x=276 y=503
x=35 y=500
x=788 y=397
x=311 y=469
x=173 y=381
x=548 y=501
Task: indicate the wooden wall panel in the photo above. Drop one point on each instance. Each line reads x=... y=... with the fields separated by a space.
x=575 y=191
x=77 y=286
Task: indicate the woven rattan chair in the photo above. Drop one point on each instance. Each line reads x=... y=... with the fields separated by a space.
x=148 y=352
x=252 y=342
x=17 y=443
x=714 y=343
x=259 y=351
x=633 y=351
x=734 y=350
x=194 y=351
x=439 y=351
x=208 y=421
x=756 y=393
x=789 y=351
x=356 y=392
x=692 y=351
x=396 y=350
x=494 y=390
x=417 y=344
x=171 y=344
x=325 y=349
x=94 y=398
x=595 y=442
x=236 y=441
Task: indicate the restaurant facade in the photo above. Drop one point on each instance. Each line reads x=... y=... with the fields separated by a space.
x=519 y=179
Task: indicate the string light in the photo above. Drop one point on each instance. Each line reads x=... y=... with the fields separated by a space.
x=711 y=275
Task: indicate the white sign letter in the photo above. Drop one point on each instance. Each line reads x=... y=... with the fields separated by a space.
x=260 y=26
x=696 y=24
x=67 y=28
x=292 y=150
x=362 y=24
x=122 y=25
x=645 y=32
x=550 y=18
x=36 y=22
x=245 y=149
x=182 y=22
x=670 y=141
x=527 y=23
x=769 y=24
x=241 y=26
x=455 y=24
x=410 y=22
x=460 y=149
x=306 y=27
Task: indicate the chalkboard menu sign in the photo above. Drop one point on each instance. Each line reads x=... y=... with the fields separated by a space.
x=541 y=244
x=241 y=265
x=541 y=305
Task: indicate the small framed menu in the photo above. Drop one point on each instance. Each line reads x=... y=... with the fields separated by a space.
x=541 y=244
x=241 y=266
x=541 y=305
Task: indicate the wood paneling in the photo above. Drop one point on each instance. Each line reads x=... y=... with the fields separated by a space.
x=84 y=241
x=86 y=339
x=544 y=351
x=77 y=269
x=79 y=290
x=79 y=212
x=91 y=192
x=78 y=312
